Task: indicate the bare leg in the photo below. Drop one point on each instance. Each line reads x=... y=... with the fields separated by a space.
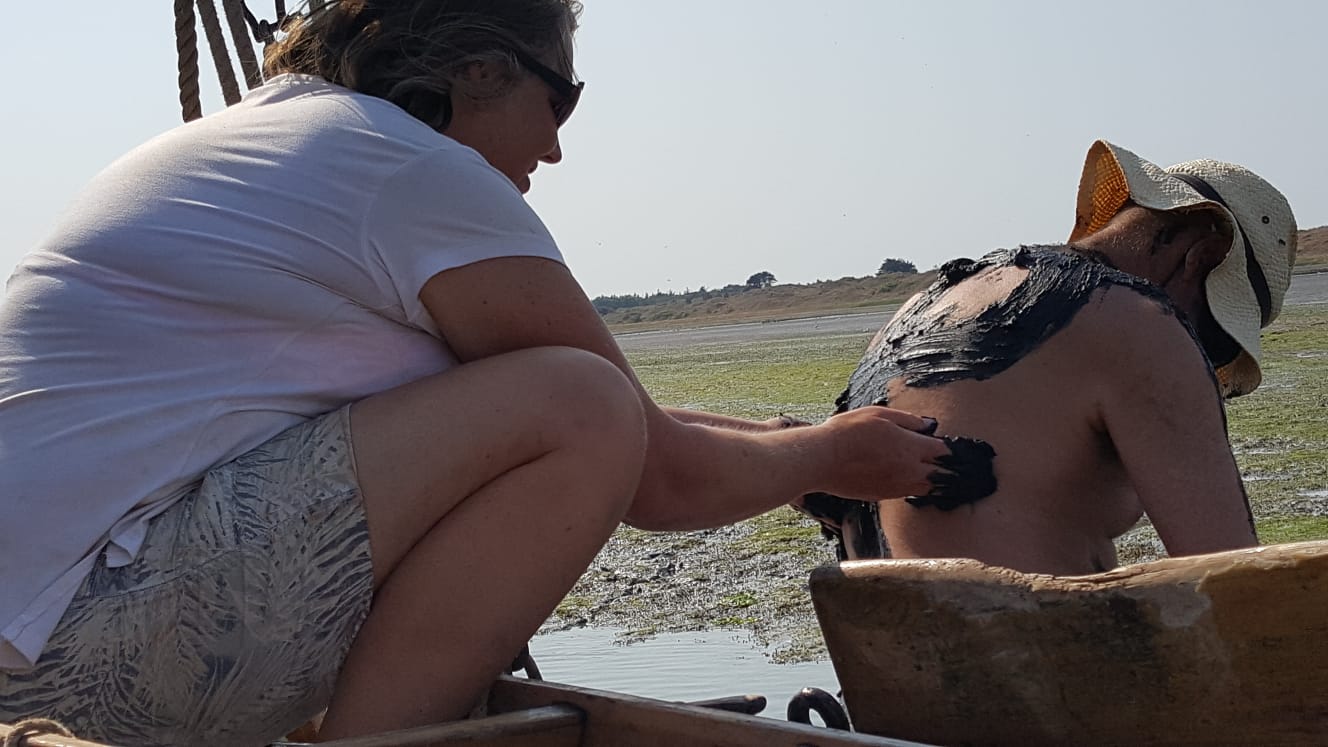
x=488 y=489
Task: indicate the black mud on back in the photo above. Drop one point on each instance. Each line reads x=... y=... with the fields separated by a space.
x=969 y=475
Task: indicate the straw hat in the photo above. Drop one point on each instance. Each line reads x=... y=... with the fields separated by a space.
x=1245 y=291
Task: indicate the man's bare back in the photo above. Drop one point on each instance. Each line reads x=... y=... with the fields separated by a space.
x=1037 y=351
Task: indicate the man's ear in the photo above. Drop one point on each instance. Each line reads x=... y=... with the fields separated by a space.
x=1205 y=254
x=1213 y=243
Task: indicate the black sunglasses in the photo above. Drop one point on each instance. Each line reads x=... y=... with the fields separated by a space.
x=568 y=92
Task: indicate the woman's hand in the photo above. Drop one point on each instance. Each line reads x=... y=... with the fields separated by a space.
x=877 y=453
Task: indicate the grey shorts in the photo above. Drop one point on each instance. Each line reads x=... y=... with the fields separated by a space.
x=230 y=626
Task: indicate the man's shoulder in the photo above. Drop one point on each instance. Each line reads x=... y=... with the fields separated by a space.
x=1083 y=292
x=1053 y=265
x=1125 y=330
x=1125 y=303
x=1126 y=310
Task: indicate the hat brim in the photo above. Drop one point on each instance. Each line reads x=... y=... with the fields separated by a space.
x=1113 y=176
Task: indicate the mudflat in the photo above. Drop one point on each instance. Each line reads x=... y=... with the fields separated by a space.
x=753 y=576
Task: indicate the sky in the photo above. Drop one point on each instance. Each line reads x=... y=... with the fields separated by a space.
x=812 y=140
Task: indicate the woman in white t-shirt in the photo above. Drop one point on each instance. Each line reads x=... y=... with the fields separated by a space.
x=301 y=409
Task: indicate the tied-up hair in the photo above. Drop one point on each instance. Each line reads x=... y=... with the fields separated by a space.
x=410 y=52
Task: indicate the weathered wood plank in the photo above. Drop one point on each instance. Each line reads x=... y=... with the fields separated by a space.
x=614 y=720
x=542 y=726
x=1230 y=648
x=748 y=704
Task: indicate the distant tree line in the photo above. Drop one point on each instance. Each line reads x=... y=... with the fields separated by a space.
x=897 y=265
x=763 y=279
x=609 y=304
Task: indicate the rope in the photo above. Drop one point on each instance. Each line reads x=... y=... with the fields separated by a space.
x=237 y=16
x=186 y=48
x=230 y=90
x=244 y=48
x=34 y=727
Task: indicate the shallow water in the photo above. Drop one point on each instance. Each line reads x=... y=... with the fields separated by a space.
x=677 y=666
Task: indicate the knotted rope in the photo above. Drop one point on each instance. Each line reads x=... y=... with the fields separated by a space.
x=244 y=49
x=34 y=727
x=186 y=49
x=221 y=58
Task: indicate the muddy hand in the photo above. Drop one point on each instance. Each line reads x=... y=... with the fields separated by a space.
x=878 y=453
x=923 y=424
x=968 y=475
x=929 y=426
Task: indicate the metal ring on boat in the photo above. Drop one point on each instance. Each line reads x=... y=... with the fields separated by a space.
x=826 y=706
x=525 y=662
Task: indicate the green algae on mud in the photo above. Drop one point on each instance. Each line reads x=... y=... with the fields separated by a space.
x=755 y=380
x=753 y=575
x=1280 y=432
x=1293 y=529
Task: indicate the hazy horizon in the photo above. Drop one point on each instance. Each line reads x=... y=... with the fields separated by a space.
x=811 y=141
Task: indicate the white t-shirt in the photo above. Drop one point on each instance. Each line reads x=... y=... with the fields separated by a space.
x=217 y=285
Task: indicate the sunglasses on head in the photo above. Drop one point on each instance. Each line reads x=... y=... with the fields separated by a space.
x=568 y=93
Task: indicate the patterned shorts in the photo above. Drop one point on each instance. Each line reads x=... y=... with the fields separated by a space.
x=230 y=626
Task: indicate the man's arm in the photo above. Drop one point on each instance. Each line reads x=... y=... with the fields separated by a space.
x=1164 y=415
x=695 y=475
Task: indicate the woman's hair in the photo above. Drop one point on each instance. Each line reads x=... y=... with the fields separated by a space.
x=411 y=51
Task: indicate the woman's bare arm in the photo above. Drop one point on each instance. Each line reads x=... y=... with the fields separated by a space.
x=700 y=417
x=696 y=475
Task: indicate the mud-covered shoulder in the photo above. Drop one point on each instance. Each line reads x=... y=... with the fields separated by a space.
x=928 y=346
x=1135 y=326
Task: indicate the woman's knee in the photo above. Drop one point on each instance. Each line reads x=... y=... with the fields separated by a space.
x=448 y=435
x=593 y=396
